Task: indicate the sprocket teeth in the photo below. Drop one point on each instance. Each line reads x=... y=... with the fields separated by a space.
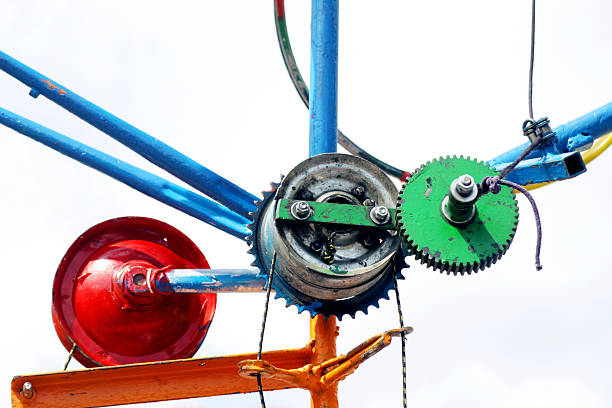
x=424 y=255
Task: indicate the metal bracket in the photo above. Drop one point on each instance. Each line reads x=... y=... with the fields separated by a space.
x=320 y=377
x=332 y=213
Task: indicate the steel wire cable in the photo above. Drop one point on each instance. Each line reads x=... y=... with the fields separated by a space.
x=401 y=322
x=531 y=58
x=263 y=328
x=302 y=89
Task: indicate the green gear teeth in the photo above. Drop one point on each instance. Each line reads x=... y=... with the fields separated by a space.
x=439 y=245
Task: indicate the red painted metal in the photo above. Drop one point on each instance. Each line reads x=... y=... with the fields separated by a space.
x=102 y=303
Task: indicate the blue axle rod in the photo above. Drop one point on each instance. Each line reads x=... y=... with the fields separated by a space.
x=152 y=149
x=324 y=77
x=212 y=281
x=154 y=186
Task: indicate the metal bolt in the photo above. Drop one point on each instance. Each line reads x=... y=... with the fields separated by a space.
x=306 y=195
x=380 y=214
x=368 y=202
x=359 y=191
x=27 y=390
x=370 y=240
x=316 y=246
x=466 y=185
x=301 y=210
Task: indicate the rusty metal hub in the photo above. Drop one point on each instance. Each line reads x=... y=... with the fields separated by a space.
x=328 y=268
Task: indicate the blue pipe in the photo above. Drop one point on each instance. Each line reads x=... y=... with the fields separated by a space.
x=573 y=136
x=147 y=146
x=154 y=186
x=212 y=281
x=324 y=77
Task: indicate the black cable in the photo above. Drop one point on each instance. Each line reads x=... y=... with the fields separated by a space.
x=533 y=10
x=263 y=328
x=302 y=89
x=401 y=321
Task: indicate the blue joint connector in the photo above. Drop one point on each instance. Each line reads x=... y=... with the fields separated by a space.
x=324 y=77
x=152 y=149
x=154 y=186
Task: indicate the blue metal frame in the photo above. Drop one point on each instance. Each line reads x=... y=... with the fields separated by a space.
x=154 y=186
x=324 y=77
x=152 y=149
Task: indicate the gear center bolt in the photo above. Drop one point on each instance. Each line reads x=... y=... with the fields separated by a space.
x=459 y=206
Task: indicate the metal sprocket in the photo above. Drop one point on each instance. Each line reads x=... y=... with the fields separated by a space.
x=338 y=308
x=437 y=243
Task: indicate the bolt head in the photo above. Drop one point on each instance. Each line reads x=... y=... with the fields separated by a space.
x=301 y=210
x=465 y=185
x=316 y=246
x=380 y=214
x=368 y=202
x=359 y=191
x=306 y=195
x=27 y=390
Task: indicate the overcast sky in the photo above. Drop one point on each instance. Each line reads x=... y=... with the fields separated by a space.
x=417 y=80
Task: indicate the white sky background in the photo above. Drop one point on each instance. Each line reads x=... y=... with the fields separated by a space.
x=417 y=80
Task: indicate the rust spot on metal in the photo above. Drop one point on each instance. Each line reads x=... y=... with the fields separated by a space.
x=52 y=87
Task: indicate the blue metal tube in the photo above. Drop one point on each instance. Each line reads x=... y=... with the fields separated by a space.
x=551 y=167
x=154 y=186
x=152 y=149
x=213 y=280
x=324 y=77
x=573 y=136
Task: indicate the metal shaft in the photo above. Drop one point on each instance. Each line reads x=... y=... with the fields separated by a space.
x=214 y=280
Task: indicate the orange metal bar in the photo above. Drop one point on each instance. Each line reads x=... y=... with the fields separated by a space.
x=160 y=381
x=323 y=332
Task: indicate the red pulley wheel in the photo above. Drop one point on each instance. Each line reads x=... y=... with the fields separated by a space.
x=96 y=307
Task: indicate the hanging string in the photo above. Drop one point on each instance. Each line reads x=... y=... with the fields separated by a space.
x=263 y=327
x=401 y=322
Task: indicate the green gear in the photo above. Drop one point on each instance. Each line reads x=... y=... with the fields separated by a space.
x=430 y=238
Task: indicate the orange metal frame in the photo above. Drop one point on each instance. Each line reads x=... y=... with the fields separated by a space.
x=314 y=367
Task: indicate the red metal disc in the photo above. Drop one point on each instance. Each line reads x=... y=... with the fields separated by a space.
x=94 y=308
